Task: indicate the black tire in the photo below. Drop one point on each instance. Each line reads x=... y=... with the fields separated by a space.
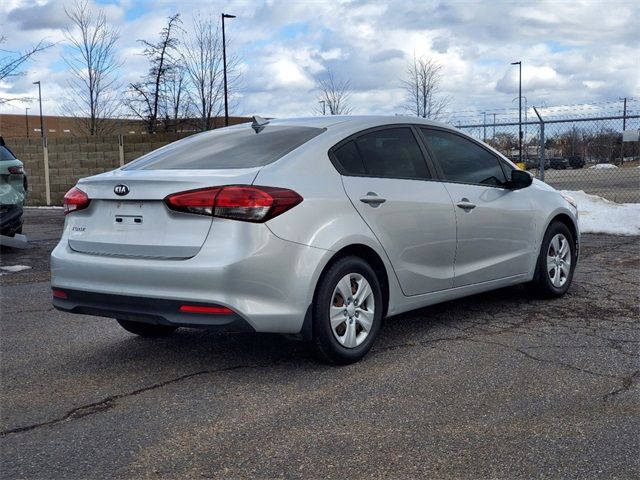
x=542 y=280
x=146 y=329
x=327 y=346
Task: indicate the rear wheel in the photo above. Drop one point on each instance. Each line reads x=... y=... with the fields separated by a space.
x=347 y=311
x=146 y=329
x=556 y=261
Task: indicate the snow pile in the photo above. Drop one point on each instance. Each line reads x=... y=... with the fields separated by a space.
x=599 y=215
x=603 y=166
x=13 y=269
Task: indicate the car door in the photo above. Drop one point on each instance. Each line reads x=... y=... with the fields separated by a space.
x=387 y=179
x=495 y=225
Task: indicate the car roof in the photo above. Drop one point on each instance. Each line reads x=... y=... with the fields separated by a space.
x=354 y=121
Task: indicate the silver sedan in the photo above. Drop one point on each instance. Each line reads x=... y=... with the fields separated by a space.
x=315 y=227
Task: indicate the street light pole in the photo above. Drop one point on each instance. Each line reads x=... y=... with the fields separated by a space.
x=26 y=118
x=40 y=100
x=519 y=111
x=224 y=60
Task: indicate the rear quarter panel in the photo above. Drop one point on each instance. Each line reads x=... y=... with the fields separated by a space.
x=325 y=219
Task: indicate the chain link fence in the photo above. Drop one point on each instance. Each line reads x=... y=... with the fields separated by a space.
x=580 y=153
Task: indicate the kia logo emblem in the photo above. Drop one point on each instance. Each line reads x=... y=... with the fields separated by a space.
x=121 y=189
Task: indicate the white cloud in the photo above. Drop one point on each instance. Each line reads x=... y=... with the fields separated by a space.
x=572 y=52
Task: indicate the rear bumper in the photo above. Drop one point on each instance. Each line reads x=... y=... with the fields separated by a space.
x=267 y=281
x=147 y=310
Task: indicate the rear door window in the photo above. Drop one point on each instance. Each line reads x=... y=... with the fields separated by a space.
x=350 y=159
x=238 y=147
x=387 y=153
x=463 y=161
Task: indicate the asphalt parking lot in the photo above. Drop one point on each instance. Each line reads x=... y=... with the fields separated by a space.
x=498 y=385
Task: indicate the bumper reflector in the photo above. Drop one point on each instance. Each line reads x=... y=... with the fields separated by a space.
x=59 y=293
x=213 y=310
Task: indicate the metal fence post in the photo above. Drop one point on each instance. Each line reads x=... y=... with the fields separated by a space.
x=121 y=149
x=541 y=160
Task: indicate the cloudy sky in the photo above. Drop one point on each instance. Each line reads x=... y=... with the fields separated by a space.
x=583 y=53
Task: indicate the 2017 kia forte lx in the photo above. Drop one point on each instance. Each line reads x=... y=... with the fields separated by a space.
x=317 y=227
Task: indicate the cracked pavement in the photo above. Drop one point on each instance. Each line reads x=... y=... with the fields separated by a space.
x=499 y=385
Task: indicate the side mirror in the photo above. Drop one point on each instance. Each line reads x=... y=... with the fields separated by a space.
x=520 y=179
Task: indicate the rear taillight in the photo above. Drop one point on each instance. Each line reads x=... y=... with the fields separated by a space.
x=16 y=170
x=57 y=293
x=237 y=202
x=75 y=200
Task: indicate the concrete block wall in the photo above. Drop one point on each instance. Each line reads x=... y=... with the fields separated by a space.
x=72 y=158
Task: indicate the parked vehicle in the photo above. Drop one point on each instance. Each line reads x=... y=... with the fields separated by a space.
x=13 y=191
x=559 y=163
x=534 y=163
x=576 y=161
x=317 y=227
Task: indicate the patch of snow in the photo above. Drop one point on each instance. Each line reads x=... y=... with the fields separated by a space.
x=603 y=166
x=13 y=269
x=599 y=215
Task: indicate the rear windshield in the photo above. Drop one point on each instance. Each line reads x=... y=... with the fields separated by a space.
x=5 y=154
x=229 y=148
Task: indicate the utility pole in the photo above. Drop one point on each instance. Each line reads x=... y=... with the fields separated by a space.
x=224 y=60
x=324 y=107
x=40 y=99
x=519 y=111
x=26 y=118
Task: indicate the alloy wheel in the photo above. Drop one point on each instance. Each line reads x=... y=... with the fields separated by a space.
x=559 y=260
x=352 y=310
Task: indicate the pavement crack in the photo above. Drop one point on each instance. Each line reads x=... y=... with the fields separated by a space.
x=627 y=382
x=111 y=401
x=544 y=360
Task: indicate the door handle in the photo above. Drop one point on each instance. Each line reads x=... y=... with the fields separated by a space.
x=372 y=199
x=466 y=205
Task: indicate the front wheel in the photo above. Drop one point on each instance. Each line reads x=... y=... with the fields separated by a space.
x=556 y=261
x=347 y=311
x=146 y=329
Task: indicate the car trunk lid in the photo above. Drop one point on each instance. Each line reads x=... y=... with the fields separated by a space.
x=136 y=222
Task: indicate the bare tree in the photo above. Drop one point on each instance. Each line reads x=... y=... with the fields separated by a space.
x=202 y=59
x=146 y=97
x=422 y=88
x=93 y=65
x=11 y=62
x=177 y=98
x=334 y=95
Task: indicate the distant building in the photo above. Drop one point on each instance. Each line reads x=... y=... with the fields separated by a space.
x=22 y=126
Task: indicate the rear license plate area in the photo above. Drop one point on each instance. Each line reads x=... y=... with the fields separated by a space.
x=128 y=220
